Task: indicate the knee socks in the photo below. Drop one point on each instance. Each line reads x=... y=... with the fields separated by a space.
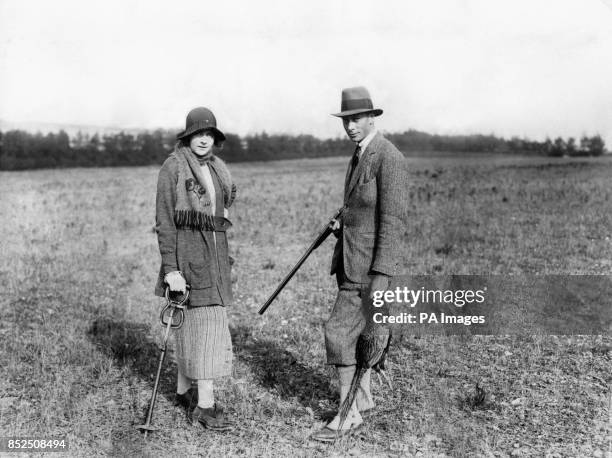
x=183 y=383
x=206 y=397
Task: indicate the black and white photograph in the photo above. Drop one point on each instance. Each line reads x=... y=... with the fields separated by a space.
x=306 y=228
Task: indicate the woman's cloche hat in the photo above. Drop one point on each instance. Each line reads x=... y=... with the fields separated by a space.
x=199 y=119
x=356 y=100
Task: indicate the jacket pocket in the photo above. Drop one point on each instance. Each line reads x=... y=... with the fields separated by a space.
x=198 y=276
x=367 y=184
x=364 y=194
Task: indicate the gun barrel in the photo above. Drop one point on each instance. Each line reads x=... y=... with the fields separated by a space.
x=318 y=241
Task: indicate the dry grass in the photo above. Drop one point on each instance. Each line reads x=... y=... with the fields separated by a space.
x=79 y=335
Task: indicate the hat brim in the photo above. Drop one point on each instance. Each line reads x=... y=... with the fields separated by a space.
x=219 y=136
x=374 y=111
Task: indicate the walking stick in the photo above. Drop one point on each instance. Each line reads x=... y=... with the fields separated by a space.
x=171 y=308
x=318 y=241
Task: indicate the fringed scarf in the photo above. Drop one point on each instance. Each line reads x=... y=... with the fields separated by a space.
x=193 y=208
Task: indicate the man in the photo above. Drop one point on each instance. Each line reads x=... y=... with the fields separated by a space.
x=366 y=253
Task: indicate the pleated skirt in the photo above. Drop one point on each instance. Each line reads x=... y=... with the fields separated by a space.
x=203 y=343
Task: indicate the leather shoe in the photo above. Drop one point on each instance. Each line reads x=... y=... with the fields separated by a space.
x=326 y=434
x=211 y=418
x=188 y=399
x=329 y=415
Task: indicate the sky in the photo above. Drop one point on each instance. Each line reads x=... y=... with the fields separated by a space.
x=532 y=68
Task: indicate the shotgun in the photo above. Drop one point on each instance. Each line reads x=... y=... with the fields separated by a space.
x=323 y=234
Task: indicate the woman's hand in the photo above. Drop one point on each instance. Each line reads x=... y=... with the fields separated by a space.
x=175 y=281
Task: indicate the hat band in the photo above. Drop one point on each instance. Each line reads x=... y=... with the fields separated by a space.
x=356 y=104
x=199 y=125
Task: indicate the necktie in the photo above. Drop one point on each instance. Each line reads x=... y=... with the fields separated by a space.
x=354 y=161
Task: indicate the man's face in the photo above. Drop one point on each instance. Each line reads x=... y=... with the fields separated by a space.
x=358 y=126
x=201 y=143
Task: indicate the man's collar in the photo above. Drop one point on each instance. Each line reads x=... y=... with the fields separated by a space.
x=363 y=144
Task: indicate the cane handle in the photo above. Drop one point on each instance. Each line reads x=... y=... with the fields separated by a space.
x=176 y=309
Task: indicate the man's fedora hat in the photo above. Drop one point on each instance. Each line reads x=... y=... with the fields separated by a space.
x=200 y=119
x=356 y=100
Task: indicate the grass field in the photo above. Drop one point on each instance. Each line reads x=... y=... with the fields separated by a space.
x=79 y=332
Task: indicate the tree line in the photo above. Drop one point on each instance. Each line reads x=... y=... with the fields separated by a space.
x=23 y=150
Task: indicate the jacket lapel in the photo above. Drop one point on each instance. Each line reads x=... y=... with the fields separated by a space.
x=362 y=166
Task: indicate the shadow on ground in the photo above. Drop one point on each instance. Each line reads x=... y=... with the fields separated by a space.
x=131 y=347
x=277 y=369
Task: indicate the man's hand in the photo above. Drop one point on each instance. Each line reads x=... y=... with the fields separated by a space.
x=379 y=282
x=334 y=225
x=175 y=281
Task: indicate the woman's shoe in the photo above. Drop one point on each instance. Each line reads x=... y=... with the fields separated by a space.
x=211 y=418
x=188 y=399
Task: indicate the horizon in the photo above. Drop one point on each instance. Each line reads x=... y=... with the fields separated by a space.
x=73 y=129
x=512 y=69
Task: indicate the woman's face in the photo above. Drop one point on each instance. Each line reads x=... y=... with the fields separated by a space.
x=201 y=143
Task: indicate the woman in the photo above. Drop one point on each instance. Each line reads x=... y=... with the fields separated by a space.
x=194 y=192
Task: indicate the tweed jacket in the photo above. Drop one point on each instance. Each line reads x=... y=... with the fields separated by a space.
x=201 y=257
x=371 y=224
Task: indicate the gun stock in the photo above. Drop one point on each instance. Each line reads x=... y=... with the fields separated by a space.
x=317 y=242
